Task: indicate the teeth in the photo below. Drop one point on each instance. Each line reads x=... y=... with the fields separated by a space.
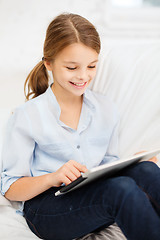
x=79 y=84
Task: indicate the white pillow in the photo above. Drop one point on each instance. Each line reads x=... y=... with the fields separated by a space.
x=130 y=75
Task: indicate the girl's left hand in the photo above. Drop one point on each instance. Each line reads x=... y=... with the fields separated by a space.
x=154 y=159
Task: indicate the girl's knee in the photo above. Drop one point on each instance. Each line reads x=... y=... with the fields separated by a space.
x=123 y=185
x=122 y=191
x=148 y=167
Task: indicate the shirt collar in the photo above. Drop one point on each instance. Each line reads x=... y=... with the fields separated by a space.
x=87 y=100
x=54 y=104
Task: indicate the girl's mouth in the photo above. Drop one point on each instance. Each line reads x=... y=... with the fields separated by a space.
x=78 y=85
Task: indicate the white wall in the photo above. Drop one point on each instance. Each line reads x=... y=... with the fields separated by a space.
x=22 y=31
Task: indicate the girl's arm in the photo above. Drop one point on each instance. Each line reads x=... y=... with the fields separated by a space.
x=17 y=163
x=26 y=188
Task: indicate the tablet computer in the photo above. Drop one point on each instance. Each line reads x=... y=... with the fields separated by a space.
x=107 y=169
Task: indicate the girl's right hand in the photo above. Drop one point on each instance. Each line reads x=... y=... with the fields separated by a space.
x=69 y=172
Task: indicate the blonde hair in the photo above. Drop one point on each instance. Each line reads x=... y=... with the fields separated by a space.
x=63 y=31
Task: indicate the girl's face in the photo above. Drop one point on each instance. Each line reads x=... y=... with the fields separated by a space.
x=73 y=68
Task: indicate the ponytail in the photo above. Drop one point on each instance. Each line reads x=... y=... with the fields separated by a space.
x=37 y=81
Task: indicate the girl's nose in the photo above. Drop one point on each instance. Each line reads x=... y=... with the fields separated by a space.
x=82 y=75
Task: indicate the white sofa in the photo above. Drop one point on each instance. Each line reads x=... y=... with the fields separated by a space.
x=129 y=73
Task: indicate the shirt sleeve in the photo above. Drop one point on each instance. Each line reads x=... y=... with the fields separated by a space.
x=112 y=153
x=17 y=150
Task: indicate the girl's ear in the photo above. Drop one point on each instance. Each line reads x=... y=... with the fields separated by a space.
x=48 y=65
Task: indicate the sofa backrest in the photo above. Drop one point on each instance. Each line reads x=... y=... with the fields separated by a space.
x=130 y=75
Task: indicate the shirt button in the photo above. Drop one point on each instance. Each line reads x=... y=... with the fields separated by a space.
x=78 y=146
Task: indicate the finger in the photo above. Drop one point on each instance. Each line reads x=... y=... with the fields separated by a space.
x=82 y=168
x=75 y=171
x=139 y=152
x=154 y=159
x=70 y=165
x=70 y=175
x=79 y=166
x=68 y=171
x=66 y=180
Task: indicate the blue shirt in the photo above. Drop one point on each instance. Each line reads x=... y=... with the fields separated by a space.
x=37 y=142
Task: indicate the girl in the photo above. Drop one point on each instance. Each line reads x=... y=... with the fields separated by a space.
x=65 y=130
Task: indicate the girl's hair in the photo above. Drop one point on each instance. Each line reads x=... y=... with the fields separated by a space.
x=63 y=31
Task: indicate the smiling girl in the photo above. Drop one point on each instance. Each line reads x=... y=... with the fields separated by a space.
x=64 y=130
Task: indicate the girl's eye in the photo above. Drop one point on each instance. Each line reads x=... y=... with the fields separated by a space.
x=71 y=68
x=91 y=66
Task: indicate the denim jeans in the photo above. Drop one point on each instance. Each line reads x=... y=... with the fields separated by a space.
x=131 y=199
